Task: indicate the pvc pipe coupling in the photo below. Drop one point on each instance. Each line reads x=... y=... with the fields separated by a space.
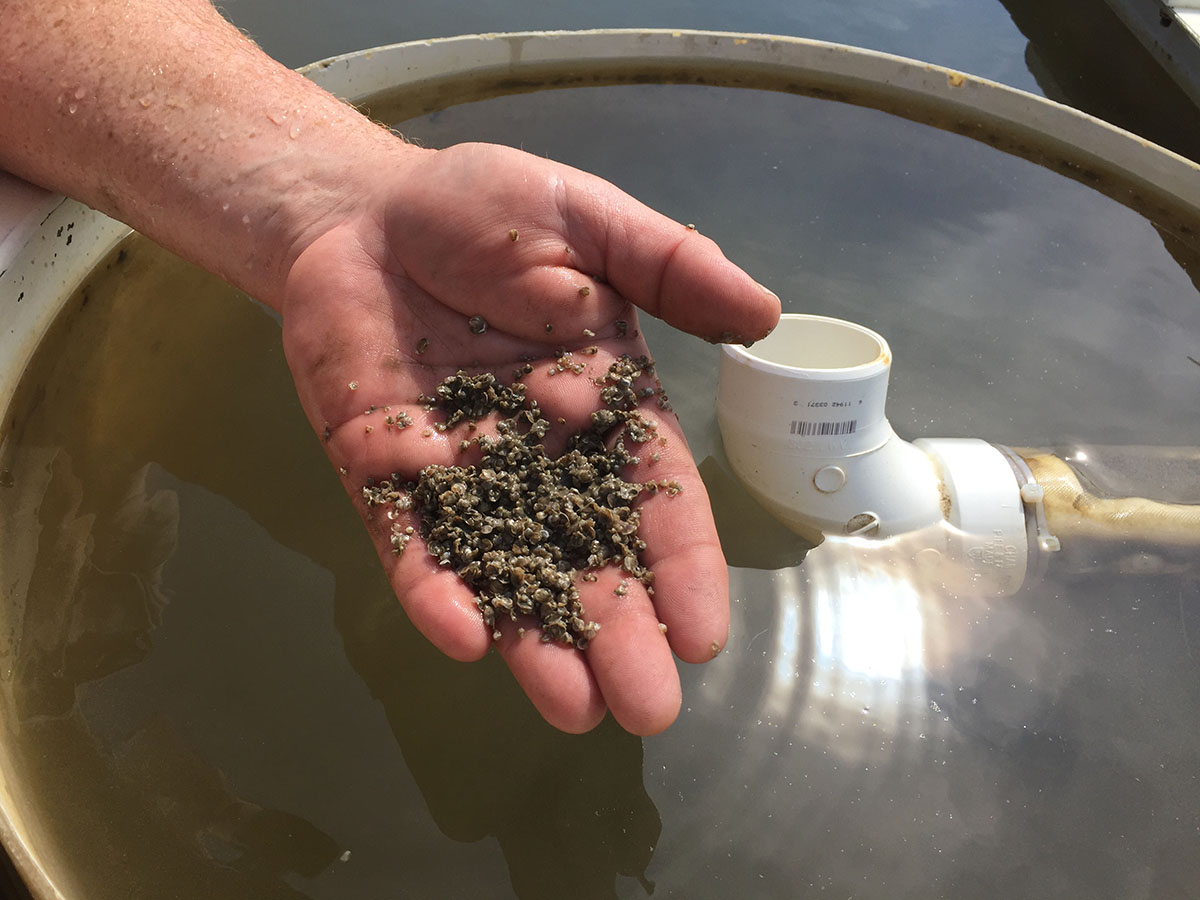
x=802 y=417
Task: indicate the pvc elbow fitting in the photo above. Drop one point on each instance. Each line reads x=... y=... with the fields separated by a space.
x=803 y=422
x=802 y=417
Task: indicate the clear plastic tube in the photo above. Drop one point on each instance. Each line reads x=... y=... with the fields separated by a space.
x=1085 y=494
x=1166 y=474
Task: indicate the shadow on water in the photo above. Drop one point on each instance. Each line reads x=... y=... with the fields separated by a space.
x=751 y=538
x=569 y=812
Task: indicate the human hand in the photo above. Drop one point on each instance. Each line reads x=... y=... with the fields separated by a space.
x=376 y=311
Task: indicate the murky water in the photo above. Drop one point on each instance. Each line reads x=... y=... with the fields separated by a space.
x=213 y=692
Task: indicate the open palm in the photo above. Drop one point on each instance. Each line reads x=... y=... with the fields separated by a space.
x=484 y=258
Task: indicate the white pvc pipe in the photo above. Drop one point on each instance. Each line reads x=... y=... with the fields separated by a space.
x=802 y=418
x=803 y=421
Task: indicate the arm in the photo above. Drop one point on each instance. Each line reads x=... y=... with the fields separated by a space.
x=166 y=117
x=163 y=115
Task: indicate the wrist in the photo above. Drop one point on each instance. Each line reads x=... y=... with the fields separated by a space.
x=326 y=172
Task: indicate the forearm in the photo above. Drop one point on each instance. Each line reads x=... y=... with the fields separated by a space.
x=164 y=116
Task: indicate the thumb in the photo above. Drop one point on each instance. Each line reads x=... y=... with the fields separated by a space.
x=675 y=273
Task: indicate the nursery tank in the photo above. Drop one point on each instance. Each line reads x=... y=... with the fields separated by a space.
x=209 y=690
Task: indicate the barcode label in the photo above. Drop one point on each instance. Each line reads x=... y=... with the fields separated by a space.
x=824 y=429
